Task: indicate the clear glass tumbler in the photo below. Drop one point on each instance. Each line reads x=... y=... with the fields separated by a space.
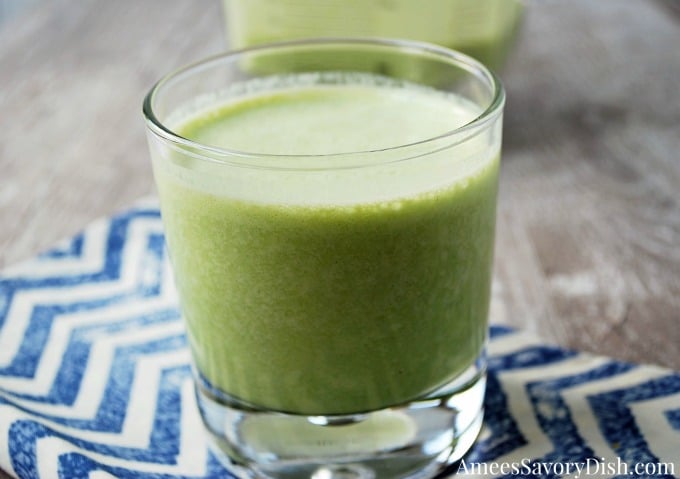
x=335 y=301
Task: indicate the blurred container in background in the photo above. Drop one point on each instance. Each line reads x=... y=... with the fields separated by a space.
x=484 y=29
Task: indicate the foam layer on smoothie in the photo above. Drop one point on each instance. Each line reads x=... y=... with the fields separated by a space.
x=368 y=122
x=332 y=291
x=325 y=120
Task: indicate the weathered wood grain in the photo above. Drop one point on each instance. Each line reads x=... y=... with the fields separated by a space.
x=588 y=248
x=73 y=76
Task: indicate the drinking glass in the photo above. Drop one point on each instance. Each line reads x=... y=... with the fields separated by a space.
x=335 y=303
x=483 y=29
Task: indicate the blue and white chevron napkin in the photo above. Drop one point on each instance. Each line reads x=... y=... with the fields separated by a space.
x=95 y=381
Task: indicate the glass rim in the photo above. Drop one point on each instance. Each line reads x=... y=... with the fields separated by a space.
x=230 y=156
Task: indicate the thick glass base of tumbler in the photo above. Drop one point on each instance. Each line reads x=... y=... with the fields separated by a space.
x=413 y=440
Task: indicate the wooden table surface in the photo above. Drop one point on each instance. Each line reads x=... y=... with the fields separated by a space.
x=588 y=243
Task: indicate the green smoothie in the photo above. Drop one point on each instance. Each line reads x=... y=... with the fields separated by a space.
x=484 y=29
x=332 y=291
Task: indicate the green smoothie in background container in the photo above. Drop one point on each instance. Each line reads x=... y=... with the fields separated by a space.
x=484 y=29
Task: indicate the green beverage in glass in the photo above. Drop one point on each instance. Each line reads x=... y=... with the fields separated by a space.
x=484 y=29
x=331 y=235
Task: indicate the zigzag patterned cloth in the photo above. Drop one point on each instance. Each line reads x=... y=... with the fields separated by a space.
x=95 y=379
